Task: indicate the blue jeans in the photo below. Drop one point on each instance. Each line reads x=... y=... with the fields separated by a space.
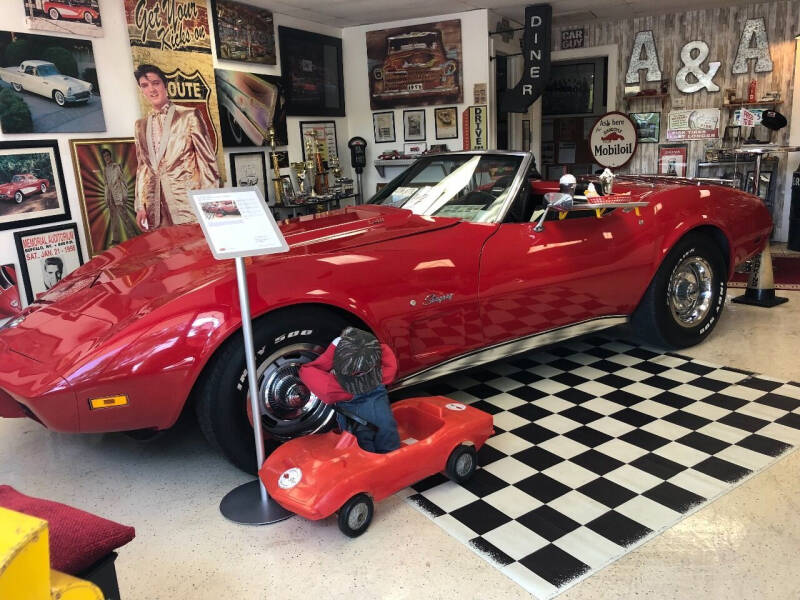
x=374 y=408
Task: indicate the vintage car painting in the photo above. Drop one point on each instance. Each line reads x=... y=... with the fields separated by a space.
x=42 y=77
x=22 y=186
x=249 y=106
x=462 y=259
x=75 y=10
x=415 y=66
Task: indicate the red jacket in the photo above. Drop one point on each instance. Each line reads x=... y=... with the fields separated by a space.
x=318 y=377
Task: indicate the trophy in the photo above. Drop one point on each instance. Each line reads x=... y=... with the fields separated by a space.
x=314 y=153
x=298 y=174
x=310 y=177
x=277 y=181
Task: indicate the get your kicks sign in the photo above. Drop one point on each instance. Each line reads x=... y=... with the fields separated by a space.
x=613 y=140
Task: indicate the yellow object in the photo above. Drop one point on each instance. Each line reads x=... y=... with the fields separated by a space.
x=599 y=212
x=108 y=402
x=562 y=216
x=25 y=572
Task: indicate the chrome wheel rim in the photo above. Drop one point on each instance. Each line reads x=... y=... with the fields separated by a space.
x=464 y=464
x=287 y=406
x=357 y=516
x=690 y=291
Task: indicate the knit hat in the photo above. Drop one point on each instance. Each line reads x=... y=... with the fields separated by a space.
x=772 y=119
x=357 y=361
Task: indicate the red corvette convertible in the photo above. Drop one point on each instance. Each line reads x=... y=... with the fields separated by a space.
x=464 y=258
x=21 y=186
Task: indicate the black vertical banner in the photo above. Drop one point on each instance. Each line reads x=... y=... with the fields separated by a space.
x=536 y=52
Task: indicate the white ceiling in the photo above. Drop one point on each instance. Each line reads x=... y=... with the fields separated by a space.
x=348 y=13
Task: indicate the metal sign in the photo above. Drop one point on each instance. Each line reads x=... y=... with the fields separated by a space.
x=573 y=38
x=536 y=52
x=612 y=141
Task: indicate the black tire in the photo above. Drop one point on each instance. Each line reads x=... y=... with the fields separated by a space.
x=43 y=187
x=282 y=340
x=18 y=197
x=356 y=515
x=88 y=18
x=462 y=463
x=660 y=317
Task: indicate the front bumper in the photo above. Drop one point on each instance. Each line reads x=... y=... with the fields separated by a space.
x=78 y=97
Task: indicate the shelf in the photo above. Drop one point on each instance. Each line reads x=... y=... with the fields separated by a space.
x=727 y=163
x=746 y=104
x=646 y=97
x=380 y=165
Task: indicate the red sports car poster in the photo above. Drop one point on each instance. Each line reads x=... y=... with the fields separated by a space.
x=77 y=17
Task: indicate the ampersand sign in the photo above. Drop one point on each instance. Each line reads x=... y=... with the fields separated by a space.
x=703 y=79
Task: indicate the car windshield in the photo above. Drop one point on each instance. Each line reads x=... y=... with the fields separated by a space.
x=17 y=178
x=47 y=70
x=473 y=187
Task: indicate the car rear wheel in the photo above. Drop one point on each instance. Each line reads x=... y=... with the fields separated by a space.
x=58 y=96
x=87 y=16
x=356 y=515
x=283 y=341
x=685 y=298
x=43 y=187
x=17 y=87
x=54 y=14
x=462 y=463
x=18 y=197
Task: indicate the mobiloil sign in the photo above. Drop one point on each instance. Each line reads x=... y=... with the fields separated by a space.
x=613 y=140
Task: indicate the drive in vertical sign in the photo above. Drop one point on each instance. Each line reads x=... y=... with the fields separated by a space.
x=478 y=124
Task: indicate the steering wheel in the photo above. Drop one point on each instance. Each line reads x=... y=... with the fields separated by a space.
x=478 y=197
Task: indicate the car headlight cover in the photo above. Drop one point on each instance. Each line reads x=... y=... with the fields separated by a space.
x=290 y=478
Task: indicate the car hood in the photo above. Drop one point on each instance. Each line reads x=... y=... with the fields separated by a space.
x=70 y=81
x=8 y=187
x=132 y=279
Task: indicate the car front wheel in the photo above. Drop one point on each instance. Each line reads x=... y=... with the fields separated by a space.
x=58 y=96
x=87 y=16
x=685 y=298
x=54 y=14
x=356 y=515
x=18 y=197
x=43 y=187
x=17 y=87
x=283 y=342
x=462 y=463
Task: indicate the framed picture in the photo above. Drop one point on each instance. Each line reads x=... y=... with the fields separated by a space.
x=50 y=103
x=311 y=65
x=64 y=16
x=383 y=125
x=648 y=127
x=243 y=32
x=32 y=188
x=249 y=168
x=764 y=186
x=526 y=134
x=325 y=134
x=414 y=148
x=415 y=65
x=672 y=159
x=46 y=256
x=414 y=125
x=446 y=120
x=249 y=105
x=105 y=173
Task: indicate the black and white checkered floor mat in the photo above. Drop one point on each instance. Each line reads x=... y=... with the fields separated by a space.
x=599 y=446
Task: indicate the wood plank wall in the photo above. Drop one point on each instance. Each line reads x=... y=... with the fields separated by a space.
x=721 y=29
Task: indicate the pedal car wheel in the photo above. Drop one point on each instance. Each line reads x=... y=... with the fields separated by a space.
x=461 y=464
x=356 y=515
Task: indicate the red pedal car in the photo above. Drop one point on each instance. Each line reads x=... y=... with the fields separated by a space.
x=317 y=475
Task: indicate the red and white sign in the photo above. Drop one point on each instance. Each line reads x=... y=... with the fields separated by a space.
x=612 y=140
x=694 y=124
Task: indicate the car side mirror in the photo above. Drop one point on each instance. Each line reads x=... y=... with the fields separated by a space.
x=558 y=201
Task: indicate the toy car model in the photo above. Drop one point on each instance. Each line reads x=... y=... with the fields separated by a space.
x=23 y=185
x=42 y=77
x=317 y=475
x=81 y=10
x=415 y=66
x=612 y=137
x=452 y=264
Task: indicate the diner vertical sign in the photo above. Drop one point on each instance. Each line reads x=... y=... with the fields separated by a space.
x=536 y=53
x=174 y=36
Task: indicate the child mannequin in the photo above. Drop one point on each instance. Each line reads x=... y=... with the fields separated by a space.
x=353 y=372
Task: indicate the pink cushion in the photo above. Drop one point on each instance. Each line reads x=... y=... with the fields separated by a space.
x=78 y=539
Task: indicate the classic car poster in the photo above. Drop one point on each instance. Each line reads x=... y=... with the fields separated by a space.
x=325 y=134
x=178 y=42
x=46 y=256
x=383 y=125
x=311 y=65
x=446 y=120
x=414 y=125
x=648 y=127
x=693 y=124
x=76 y=17
x=249 y=105
x=105 y=172
x=249 y=168
x=242 y=32
x=48 y=85
x=10 y=303
x=672 y=159
x=32 y=188
x=415 y=65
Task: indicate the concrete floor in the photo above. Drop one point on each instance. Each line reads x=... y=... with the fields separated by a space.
x=744 y=545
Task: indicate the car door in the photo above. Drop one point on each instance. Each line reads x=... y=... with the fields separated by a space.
x=574 y=270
